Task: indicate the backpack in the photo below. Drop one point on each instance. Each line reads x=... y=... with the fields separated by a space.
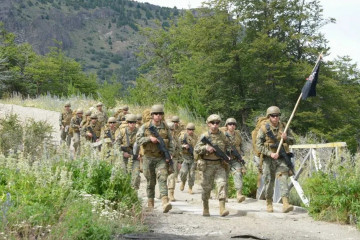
x=254 y=133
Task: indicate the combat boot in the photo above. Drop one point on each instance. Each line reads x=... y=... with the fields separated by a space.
x=150 y=204
x=165 y=204
x=269 y=206
x=286 y=206
x=223 y=211
x=182 y=186
x=206 y=212
x=240 y=198
x=190 y=190
x=171 y=195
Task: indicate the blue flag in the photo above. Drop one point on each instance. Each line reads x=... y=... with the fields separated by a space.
x=309 y=89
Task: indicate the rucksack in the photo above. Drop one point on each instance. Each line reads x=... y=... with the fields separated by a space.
x=254 y=133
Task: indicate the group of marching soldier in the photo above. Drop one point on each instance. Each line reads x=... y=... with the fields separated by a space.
x=169 y=149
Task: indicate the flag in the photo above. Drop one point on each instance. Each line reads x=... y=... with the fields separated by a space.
x=309 y=89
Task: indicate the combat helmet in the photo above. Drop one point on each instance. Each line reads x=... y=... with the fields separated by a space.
x=138 y=117
x=175 y=119
x=79 y=110
x=94 y=116
x=273 y=110
x=171 y=125
x=158 y=108
x=130 y=118
x=213 y=117
x=67 y=104
x=230 y=120
x=190 y=126
x=88 y=113
x=111 y=120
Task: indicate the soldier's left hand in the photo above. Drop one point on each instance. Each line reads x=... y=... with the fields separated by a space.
x=284 y=135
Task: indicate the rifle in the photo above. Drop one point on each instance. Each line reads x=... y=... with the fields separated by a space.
x=126 y=149
x=282 y=153
x=190 y=149
x=161 y=144
x=94 y=137
x=235 y=152
x=218 y=151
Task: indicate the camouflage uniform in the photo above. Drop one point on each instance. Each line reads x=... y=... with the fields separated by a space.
x=64 y=122
x=91 y=127
x=75 y=125
x=107 y=136
x=188 y=165
x=125 y=140
x=102 y=117
x=274 y=168
x=235 y=167
x=176 y=154
x=155 y=166
x=211 y=166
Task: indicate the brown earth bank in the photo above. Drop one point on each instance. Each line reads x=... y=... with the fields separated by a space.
x=247 y=220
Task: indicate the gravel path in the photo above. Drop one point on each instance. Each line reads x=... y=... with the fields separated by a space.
x=247 y=220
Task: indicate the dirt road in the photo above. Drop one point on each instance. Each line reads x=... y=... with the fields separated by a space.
x=247 y=220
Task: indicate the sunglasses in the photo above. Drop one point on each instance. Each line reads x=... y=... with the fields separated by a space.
x=131 y=122
x=274 y=115
x=175 y=121
x=213 y=123
x=231 y=124
x=158 y=113
x=112 y=122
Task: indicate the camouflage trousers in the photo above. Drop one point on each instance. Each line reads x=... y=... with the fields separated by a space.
x=188 y=169
x=155 y=168
x=213 y=171
x=275 y=168
x=235 y=169
x=171 y=181
x=134 y=170
x=65 y=136
x=76 y=141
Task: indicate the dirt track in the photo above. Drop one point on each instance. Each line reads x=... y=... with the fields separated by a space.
x=185 y=220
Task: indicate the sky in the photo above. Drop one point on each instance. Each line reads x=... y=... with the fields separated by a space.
x=343 y=36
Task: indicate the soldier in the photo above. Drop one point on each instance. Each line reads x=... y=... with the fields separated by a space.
x=101 y=114
x=212 y=166
x=107 y=137
x=75 y=125
x=270 y=133
x=86 y=119
x=120 y=114
x=125 y=140
x=235 y=167
x=155 y=164
x=64 y=122
x=138 y=120
x=188 y=140
x=177 y=126
x=92 y=131
x=173 y=176
x=108 y=132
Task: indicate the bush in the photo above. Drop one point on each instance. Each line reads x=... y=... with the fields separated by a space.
x=11 y=132
x=249 y=185
x=334 y=197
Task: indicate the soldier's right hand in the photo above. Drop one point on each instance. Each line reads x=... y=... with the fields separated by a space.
x=153 y=139
x=89 y=134
x=210 y=149
x=126 y=155
x=274 y=155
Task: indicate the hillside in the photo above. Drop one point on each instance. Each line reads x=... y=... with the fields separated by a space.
x=102 y=35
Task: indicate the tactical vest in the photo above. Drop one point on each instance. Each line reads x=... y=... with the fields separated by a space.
x=191 y=140
x=152 y=149
x=75 y=123
x=66 y=117
x=127 y=138
x=96 y=128
x=235 y=140
x=102 y=118
x=277 y=133
x=218 y=139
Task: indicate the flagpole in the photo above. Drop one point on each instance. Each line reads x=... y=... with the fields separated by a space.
x=295 y=108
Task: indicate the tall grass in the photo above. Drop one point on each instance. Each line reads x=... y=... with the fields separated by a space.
x=47 y=194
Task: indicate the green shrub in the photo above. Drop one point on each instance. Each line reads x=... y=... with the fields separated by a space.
x=11 y=132
x=334 y=197
x=249 y=185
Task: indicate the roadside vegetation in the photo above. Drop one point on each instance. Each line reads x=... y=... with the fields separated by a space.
x=47 y=194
